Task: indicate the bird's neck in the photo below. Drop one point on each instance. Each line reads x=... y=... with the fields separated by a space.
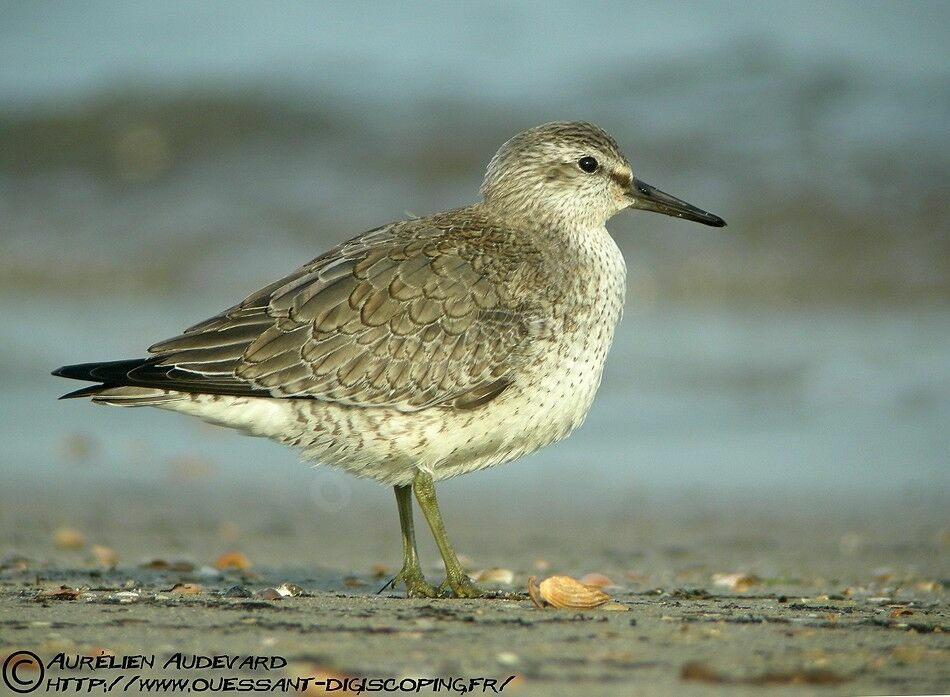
x=557 y=218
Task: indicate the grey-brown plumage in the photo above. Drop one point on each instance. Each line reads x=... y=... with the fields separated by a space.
x=430 y=347
x=413 y=315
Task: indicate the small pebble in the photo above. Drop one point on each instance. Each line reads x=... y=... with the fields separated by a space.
x=268 y=594
x=238 y=592
x=209 y=572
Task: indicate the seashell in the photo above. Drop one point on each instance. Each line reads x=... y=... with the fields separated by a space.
x=596 y=580
x=68 y=539
x=533 y=592
x=185 y=589
x=495 y=576
x=737 y=582
x=105 y=556
x=290 y=589
x=508 y=658
x=566 y=593
x=232 y=561
x=61 y=593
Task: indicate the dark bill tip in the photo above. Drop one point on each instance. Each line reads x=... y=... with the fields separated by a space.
x=648 y=198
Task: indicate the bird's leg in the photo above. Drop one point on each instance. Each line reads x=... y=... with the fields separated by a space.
x=411 y=573
x=455 y=577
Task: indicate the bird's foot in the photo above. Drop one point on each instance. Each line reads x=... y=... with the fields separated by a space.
x=465 y=587
x=415 y=582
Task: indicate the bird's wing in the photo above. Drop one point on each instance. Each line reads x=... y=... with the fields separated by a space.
x=387 y=319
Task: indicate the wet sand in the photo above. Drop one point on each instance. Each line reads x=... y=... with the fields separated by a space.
x=827 y=595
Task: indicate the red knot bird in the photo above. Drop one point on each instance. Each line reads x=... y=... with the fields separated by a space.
x=426 y=348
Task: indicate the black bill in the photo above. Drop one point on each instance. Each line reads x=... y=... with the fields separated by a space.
x=647 y=198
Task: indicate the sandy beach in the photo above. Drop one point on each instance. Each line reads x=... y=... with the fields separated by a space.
x=790 y=596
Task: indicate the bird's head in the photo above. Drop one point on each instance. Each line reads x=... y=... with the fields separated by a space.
x=574 y=172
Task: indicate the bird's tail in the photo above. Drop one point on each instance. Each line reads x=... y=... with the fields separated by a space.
x=113 y=387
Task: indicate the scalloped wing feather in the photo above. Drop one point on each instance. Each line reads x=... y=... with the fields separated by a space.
x=398 y=317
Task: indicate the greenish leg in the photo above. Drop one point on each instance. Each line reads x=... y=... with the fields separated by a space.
x=411 y=573
x=455 y=577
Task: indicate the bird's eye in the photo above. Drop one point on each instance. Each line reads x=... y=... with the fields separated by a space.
x=588 y=164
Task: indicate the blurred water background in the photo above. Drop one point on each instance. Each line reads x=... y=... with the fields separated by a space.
x=158 y=161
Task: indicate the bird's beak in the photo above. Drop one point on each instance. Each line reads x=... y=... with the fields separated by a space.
x=648 y=198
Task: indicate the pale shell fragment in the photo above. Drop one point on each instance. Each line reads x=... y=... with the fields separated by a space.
x=737 y=582
x=68 y=539
x=596 y=580
x=186 y=589
x=105 y=556
x=290 y=590
x=495 y=576
x=566 y=593
x=232 y=561
x=508 y=658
